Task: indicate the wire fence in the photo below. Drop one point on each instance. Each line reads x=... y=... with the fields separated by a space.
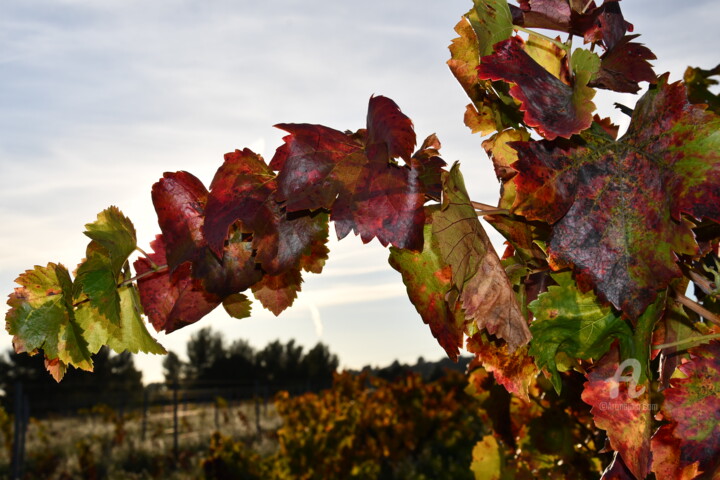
x=175 y=410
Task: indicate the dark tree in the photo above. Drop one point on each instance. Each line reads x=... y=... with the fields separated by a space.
x=115 y=382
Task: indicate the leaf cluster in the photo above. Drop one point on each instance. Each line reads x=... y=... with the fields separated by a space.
x=605 y=233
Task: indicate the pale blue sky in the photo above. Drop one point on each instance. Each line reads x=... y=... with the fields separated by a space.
x=98 y=99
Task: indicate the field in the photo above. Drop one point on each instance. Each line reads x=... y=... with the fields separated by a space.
x=363 y=428
x=104 y=443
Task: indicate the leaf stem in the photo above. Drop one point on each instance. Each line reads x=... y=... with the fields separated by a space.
x=587 y=5
x=697 y=308
x=129 y=281
x=485 y=209
x=156 y=268
x=551 y=40
x=147 y=257
x=690 y=340
x=701 y=282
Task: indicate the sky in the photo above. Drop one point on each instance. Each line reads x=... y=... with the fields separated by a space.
x=98 y=99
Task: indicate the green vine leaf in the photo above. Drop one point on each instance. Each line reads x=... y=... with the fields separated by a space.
x=113 y=240
x=574 y=323
x=492 y=22
x=428 y=281
x=134 y=336
x=41 y=316
x=478 y=277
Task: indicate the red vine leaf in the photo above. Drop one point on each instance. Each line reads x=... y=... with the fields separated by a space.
x=515 y=371
x=616 y=206
x=692 y=406
x=351 y=176
x=278 y=292
x=552 y=107
x=236 y=271
x=623 y=67
x=617 y=470
x=428 y=162
x=315 y=165
x=386 y=204
x=621 y=408
x=604 y=24
x=244 y=189
x=179 y=199
x=171 y=300
x=389 y=131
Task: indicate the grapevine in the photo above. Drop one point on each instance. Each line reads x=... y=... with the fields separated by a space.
x=605 y=233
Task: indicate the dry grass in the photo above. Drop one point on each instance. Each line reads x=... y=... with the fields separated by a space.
x=104 y=443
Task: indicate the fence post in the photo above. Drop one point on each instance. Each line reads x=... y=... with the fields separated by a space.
x=175 y=421
x=22 y=414
x=145 y=413
x=257 y=417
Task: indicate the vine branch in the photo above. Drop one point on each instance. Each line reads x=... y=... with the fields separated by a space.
x=691 y=340
x=485 y=209
x=697 y=308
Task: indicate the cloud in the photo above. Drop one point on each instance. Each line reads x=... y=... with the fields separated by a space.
x=317 y=321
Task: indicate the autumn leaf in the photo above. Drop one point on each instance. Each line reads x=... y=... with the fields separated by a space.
x=96 y=279
x=234 y=272
x=604 y=24
x=278 y=292
x=315 y=165
x=487 y=459
x=552 y=107
x=477 y=275
x=617 y=207
x=430 y=165
x=698 y=82
x=179 y=199
x=573 y=323
x=244 y=190
x=115 y=233
x=622 y=408
x=354 y=177
x=428 y=280
x=480 y=29
x=692 y=408
x=134 y=336
x=41 y=316
x=623 y=67
x=548 y=55
x=617 y=470
x=390 y=133
x=171 y=300
x=237 y=305
x=492 y=23
x=515 y=371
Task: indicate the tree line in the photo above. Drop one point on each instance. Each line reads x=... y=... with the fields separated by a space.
x=278 y=366
x=211 y=364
